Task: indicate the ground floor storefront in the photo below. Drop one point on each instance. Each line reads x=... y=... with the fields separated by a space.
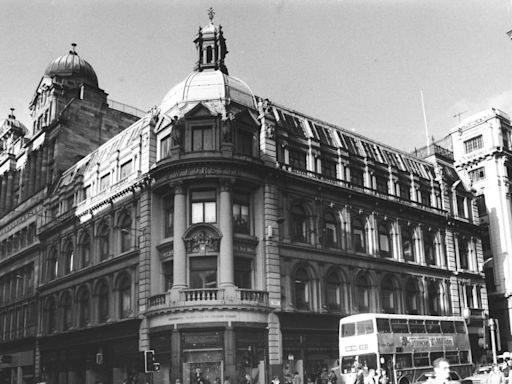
x=17 y=362
x=107 y=354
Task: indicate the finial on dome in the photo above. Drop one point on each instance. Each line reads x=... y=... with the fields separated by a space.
x=12 y=114
x=73 y=51
x=211 y=14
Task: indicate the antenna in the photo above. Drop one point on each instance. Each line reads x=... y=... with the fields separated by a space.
x=458 y=115
x=424 y=117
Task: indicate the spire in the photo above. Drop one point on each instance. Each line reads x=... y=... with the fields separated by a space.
x=211 y=47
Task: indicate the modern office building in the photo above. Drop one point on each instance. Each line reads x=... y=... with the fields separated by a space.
x=224 y=231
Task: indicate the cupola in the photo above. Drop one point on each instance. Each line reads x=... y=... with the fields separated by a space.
x=72 y=66
x=211 y=47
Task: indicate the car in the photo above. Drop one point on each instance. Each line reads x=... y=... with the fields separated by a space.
x=454 y=377
x=480 y=375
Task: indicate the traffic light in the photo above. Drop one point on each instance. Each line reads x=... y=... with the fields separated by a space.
x=150 y=363
x=484 y=336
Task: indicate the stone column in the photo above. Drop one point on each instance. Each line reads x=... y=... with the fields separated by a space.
x=38 y=165
x=3 y=183
x=226 y=262
x=44 y=166
x=179 y=251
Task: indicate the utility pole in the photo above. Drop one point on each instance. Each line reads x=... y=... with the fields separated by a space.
x=492 y=328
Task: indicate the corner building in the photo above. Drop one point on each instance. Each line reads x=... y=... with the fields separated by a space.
x=229 y=234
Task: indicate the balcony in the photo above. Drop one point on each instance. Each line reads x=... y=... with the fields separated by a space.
x=211 y=297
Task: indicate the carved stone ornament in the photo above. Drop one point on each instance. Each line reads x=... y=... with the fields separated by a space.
x=202 y=241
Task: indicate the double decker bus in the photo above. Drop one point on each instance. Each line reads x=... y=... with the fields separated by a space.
x=405 y=346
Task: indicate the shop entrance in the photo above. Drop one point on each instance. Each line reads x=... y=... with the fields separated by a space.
x=204 y=372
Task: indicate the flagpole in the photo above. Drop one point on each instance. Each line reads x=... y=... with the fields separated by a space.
x=424 y=117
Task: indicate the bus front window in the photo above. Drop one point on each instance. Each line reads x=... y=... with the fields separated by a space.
x=364 y=327
x=452 y=357
x=348 y=329
x=421 y=359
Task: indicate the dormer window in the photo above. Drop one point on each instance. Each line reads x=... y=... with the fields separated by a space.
x=202 y=138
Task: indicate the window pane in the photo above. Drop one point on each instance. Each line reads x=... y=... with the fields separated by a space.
x=197 y=213
x=203 y=272
x=210 y=214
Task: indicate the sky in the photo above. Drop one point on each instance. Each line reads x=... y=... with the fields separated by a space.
x=358 y=64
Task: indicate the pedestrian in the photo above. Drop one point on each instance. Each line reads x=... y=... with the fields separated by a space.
x=495 y=376
x=226 y=380
x=383 y=377
x=359 y=379
x=275 y=380
x=332 y=377
x=441 y=372
x=296 y=378
x=370 y=378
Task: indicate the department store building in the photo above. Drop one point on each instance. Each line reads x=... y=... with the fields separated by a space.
x=224 y=231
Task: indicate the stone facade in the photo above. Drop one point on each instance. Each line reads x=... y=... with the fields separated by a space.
x=225 y=232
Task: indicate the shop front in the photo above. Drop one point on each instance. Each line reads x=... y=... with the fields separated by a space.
x=310 y=345
x=108 y=354
x=211 y=355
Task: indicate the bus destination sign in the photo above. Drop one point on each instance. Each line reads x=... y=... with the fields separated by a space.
x=427 y=341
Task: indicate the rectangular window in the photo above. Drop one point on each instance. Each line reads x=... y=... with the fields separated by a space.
x=165 y=147
x=168 y=275
x=86 y=192
x=241 y=222
x=329 y=169
x=477 y=174
x=204 y=207
x=425 y=197
x=461 y=206
x=356 y=177
x=244 y=143
x=70 y=202
x=203 y=272
x=125 y=170
x=382 y=184
x=297 y=159
x=168 y=216
x=243 y=272
x=104 y=182
x=202 y=138
x=405 y=191
x=473 y=144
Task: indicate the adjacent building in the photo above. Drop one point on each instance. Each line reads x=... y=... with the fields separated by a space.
x=222 y=230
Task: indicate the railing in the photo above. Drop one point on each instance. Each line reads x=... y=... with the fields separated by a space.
x=201 y=295
x=126 y=108
x=209 y=296
x=157 y=300
x=260 y=297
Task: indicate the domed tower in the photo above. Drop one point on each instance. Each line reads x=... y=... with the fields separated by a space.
x=66 y=78
x=211 y=47
x=11 y=131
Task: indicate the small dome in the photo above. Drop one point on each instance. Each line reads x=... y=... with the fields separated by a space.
x=11 y=124
x=72 y=65
x=208 y=86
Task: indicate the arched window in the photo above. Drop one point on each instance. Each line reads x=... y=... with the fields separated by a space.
x=358 y=235
x=67 y=319
x=463 y=253
x=53 y=264
x=429 y=248
x=51 y=315
x=85 y=250
x=330 y=230
x=434 y=298
x=389 y=292
x=103 y=302
x=362 y=294
x=412 y=297
x=84 y=307
x=104 y=241
x=68 y=258
x=125 y=232
x=299 y=224
x=333 y=291
x=407 y=244
x=301 y=289
x=385 y=240
x=125 y=297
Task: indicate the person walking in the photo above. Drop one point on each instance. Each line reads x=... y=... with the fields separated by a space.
x=441 y=372
x=495 y=376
